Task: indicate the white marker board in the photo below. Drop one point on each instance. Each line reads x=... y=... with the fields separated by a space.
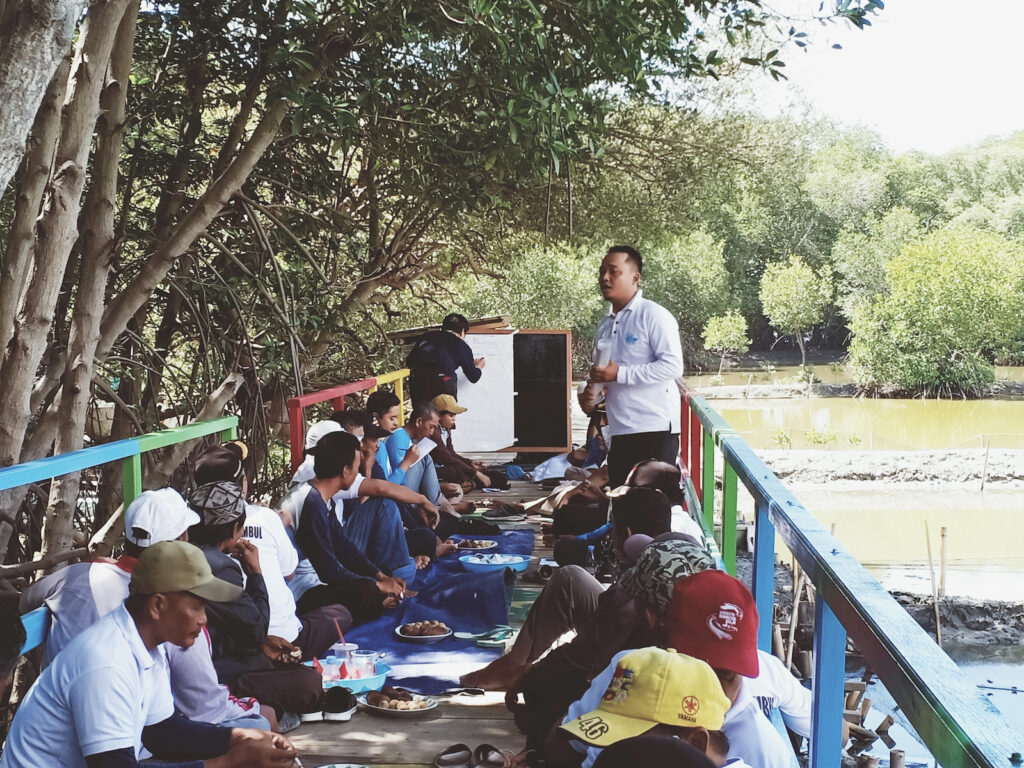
x=489 y=422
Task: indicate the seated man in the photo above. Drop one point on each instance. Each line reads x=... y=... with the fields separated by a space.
x=450 y=466
x=713 y=617
x=655 y=751
x=345 y=574
x=81 y=594
x=242 y=655
x=643 y=691
x=107 y=694
x=312 y=633
x=572 y=599
x=351 y=420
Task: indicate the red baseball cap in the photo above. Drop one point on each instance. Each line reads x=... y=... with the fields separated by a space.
x=713 y=617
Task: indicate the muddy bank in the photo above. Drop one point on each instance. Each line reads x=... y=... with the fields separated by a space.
x=968 y=465
x=965 y=621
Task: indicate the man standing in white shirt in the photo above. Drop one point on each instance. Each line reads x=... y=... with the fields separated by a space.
x=638 y=342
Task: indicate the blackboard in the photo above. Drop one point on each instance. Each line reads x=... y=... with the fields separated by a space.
x=542 y=379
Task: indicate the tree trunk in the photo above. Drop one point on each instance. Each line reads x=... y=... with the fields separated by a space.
x=56 y=232
x=803 y=351
x=41 y=144
x=721 y=363
x=98 y=244
x=34 y=37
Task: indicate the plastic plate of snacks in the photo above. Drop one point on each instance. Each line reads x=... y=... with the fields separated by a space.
x=494 y=562
x=413 y=706
x=424 y=631
x=477 y=544
x=359 y=684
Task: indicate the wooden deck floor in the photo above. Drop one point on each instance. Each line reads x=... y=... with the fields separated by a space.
x=378 y=741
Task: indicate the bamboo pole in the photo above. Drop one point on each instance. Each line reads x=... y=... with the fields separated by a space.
x=794 y=618
x=942 y=563
x=935 y=591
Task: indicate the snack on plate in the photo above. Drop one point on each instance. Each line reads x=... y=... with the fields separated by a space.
x=476 y=544
x=425 y=629
x=378 y=699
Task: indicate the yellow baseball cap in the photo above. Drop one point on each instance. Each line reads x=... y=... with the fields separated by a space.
x=652 y=686
x=447 y=403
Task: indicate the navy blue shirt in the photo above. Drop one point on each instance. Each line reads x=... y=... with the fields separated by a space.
x=322 y=539
x=443 y=352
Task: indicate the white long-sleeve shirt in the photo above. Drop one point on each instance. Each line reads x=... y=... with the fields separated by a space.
x=645 y=343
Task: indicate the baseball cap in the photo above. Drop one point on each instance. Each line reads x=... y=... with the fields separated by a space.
x=652 y=751
x=319 y=429
x=447 y=403
x=219 y=502
x=652 y=686
x=225 y=461
x=659 y=567
x=634 y=545
x=177 y=566
x=713 y=617
x=160 y=515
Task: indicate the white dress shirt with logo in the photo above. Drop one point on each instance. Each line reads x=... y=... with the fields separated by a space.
x=645 y=343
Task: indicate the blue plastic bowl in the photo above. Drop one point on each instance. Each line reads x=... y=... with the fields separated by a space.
x=361 y=684
x=474 y=564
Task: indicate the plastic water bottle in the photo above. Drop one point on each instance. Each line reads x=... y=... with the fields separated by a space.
x=590 y=564
x=604 y=356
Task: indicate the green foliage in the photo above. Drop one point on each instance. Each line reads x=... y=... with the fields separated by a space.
x=824 y=437
x=955 y=298
x=726 y=333
x=794 y=297
x=782 y=438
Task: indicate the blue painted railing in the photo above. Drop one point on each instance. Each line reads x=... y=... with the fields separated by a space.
x=956 y=722
x=129 y=453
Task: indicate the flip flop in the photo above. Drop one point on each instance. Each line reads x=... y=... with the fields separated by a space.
x=482 y=635
x=487 y=756
x=455 y=756
x=462 y=692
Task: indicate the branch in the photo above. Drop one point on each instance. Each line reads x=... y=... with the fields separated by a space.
x=47 y=561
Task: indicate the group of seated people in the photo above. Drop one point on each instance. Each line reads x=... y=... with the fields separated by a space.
x=225 y=598
x=662 y=662
x=661 y=667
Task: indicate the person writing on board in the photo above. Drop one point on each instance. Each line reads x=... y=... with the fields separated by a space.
x=436 y=356
x=637 y=359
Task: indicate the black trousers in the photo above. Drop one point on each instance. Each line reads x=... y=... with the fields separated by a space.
x=362 y=597
x=426 y=384
x=628 y=450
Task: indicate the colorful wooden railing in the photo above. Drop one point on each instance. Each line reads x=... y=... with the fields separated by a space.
x=956 y=722
x=297 y=405
x=129 y=453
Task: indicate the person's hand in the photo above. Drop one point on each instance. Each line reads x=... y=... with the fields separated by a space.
x=479 y=466
x=411 y=457
x=429 y=513
x=451 y=490
x=422 y=561
x=485 y=479
x=251 y=748
x=605 y=373
x=480 y=362
x=279 y=649
x=247 y=554
x=389 y=585
x=587 y=399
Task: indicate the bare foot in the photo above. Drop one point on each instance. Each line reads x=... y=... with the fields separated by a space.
x=422 y=561
x=518 y=760
x=500 y=675
x=445 y=548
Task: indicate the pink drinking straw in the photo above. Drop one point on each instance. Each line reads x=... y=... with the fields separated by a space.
x=337 y=626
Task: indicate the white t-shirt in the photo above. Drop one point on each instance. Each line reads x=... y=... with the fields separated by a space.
x=96 y=696
x=278 y=558
x=77 y=596
x=683 y=523
x=752 y=737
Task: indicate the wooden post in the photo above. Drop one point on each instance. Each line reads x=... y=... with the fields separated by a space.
x=942 y=563
x=896 y=758
x=764 y=578
x=935 y=591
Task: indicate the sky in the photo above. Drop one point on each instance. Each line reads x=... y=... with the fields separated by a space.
x=929 y=75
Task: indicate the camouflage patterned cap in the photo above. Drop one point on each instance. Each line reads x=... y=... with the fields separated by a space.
x=659 y=567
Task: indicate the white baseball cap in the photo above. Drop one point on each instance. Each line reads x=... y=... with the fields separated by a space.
x=318 y=430
x=154 y=516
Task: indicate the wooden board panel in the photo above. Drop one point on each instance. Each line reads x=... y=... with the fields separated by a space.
x=542 y=378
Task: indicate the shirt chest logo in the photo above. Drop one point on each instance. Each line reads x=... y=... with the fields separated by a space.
x=631 y=339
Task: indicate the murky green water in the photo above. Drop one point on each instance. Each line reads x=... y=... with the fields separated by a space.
x=828 y=374
x=872 y=424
